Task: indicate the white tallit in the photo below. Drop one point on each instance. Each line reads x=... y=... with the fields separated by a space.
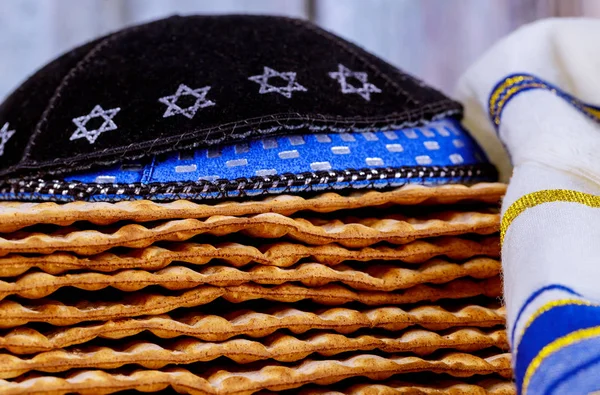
x=530 y=101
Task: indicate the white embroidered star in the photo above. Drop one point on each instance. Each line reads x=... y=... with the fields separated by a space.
x=184 y=90
x=285 y=90
x=344 y=73
x=92 y=135
x=5 y=135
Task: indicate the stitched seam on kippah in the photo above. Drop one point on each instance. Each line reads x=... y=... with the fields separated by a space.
x=250 y=133
x=239 y=187
x=64 y=83
x=330 y=37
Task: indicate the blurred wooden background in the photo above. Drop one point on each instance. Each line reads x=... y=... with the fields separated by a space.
x=432 y=39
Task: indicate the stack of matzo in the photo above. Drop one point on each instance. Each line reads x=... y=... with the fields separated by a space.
x=237 y=204
x=363 y=290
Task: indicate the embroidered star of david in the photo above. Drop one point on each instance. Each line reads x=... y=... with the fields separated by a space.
x=5 y=135
x=342 y=76
x=174 y=109
x=285 y=90
x=91 y=135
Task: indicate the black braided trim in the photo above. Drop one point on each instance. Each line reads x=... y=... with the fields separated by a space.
x=59 y=190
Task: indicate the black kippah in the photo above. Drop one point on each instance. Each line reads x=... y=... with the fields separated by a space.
x=184 y=84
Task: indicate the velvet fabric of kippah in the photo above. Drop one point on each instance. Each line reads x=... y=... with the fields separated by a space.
x=160 y=91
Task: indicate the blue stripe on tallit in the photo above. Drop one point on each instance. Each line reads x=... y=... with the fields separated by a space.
x=553 y=324
x=571 y=370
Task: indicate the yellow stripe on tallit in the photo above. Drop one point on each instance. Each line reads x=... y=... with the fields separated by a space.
x=547 y=307
x=540 y=197
x=515 y=84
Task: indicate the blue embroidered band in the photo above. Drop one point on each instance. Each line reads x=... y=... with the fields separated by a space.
x=442 y=143
x=514 y=84
x=441 y=152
